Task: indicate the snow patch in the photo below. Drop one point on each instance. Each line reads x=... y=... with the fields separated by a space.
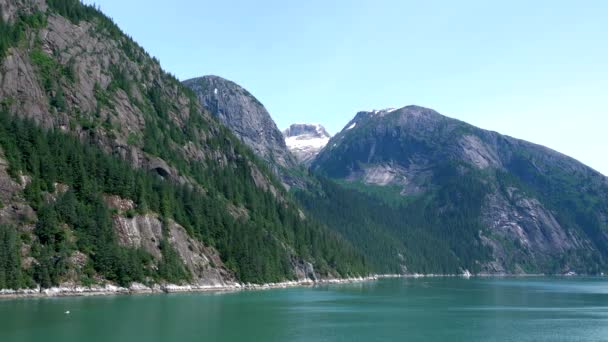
x=299 y=142
x=306 y=140
x=351 y=126
x=382 y=112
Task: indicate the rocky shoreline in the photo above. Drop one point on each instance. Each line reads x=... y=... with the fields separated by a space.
x=136 y=288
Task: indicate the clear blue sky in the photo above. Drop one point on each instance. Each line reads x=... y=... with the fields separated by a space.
x=536 y=70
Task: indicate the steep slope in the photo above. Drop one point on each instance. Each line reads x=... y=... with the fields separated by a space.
x=498 y=204
x=247 y=118
x=305 y=141
x=91 y=120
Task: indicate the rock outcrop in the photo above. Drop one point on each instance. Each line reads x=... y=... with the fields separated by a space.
x=246 y=117
x=146 y=231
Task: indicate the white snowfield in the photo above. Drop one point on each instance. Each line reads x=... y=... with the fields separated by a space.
x=382 y=112
x=304 y=141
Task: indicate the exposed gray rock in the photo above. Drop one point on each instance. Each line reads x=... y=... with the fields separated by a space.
x=477 y=153
x=246 y=117
x=146 y=231
x=141 y=231
x=304 y=270
x=533 y=233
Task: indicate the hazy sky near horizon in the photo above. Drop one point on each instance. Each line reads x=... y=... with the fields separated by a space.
x=535 y=70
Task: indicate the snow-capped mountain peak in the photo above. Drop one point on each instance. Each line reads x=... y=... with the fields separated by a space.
x=306 y=140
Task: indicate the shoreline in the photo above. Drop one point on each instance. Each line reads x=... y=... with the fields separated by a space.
x=139 y=289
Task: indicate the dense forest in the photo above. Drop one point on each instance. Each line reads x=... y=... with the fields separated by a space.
x=10 y=258
x=432 y=233
x=261 y=244
x=249 y=247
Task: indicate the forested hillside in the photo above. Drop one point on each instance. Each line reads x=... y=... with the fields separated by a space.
x=113 y=172
x=437 y=233
x=458 y=197
x=90 y=120
x=416 y=192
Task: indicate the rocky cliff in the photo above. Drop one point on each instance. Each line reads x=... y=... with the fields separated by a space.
x=246 y=117
x=305 y=141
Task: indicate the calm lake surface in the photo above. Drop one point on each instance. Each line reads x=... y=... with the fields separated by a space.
x=425 y=309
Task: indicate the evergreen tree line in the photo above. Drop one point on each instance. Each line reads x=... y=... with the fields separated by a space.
x=10 y=258
x=255 y=248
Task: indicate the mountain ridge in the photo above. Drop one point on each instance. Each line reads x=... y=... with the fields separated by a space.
x=533 y=197
x=247 y=118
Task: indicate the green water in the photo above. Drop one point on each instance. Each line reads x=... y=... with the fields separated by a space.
x=442 y=309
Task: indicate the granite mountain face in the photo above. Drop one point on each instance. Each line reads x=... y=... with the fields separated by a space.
x=534 y=210
x=305 y=141
x=247 y=118
x=92 y=124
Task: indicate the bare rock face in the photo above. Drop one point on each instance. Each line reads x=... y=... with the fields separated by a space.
x=141 y=231
x=146 y=231
x=477 y=153
x=532 y=232
x=245 y=116
x=305 y=141
x=304 y=270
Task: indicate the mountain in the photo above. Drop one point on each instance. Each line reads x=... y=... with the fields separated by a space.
x=247 y=118
x=459 y=197
x=305 y=141
x=111 y=171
